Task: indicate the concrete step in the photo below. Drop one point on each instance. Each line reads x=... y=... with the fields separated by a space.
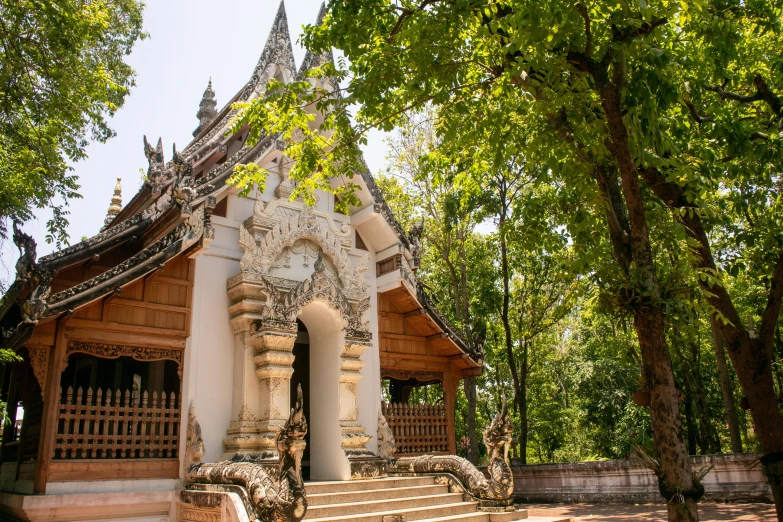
x=393 y=504
x=466 y=517
x=322 y=499
x=342 y=486
x=419 y=513
x=483 y=516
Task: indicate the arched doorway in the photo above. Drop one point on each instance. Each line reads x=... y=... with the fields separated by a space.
x=324 y=328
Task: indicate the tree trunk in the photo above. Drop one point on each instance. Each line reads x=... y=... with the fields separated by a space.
x=523 y=428
x=520 y=396
x=709 y=436
x=469 y=385
x=750 y=356
x=664 y=413
x=726 y=389
x=767 y=421
x=710 y=444
x=690 y=424
x=649 y=319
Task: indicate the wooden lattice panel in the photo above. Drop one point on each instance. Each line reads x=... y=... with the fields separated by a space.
x=117 y=425
x=418 y=428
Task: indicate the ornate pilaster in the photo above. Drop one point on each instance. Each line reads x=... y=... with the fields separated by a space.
x=263 y=368
x=364 y=463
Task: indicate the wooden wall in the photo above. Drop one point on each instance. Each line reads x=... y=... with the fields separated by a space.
x=160 y=301
x=151 y=312
x=73 y=275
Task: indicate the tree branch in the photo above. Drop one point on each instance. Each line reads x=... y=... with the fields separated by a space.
x=769 y=320
x=403 y=16
x=582 y=9
x=629 y=33
x=763 y=93
x=694 y=113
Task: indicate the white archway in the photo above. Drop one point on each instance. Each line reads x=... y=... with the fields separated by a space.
x=324 y=326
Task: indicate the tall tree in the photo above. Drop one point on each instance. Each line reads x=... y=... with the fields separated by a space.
x=727 y=390
x=448 y=217
x=627 y=103
x=63 y=76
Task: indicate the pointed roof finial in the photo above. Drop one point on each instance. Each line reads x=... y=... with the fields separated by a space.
x=116 y=204
x=311 y=60
x=206 y=109
x=321 y=13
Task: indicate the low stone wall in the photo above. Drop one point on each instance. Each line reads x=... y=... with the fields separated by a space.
x=734 y=478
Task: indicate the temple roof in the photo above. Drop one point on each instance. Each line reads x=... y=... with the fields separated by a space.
x=171 y=212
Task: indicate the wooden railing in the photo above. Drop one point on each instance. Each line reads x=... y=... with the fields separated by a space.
x=117 y=425
x=418 y=428
x=390 y=264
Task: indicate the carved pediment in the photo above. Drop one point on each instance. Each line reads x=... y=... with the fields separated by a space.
x=269 y=237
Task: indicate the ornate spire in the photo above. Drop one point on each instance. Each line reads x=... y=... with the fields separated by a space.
x=312 y=61
x=206 y=110
x=277 y=51
x=116 y=204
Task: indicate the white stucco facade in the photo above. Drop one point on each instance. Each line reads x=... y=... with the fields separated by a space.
x=221 y=377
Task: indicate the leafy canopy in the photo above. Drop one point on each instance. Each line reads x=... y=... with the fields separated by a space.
x=63 y=75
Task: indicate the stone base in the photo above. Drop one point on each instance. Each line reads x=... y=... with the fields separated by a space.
x=366 y=465
x=202 y=499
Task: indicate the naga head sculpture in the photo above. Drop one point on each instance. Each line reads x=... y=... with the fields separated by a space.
x=182 y=167
x=290 y=439
x=154 y=155
x=498 y=434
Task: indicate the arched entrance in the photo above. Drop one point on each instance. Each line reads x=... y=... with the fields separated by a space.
x=296 y=268
x=324 y=331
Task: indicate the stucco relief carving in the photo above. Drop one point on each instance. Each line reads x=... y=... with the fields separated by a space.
x=194 y=443
x=265 y=237
x=265 y=307
x=386 y=444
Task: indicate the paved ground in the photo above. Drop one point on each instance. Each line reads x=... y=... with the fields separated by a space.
x=653 y=512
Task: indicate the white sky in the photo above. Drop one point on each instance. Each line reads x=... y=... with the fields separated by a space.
x=190 y=40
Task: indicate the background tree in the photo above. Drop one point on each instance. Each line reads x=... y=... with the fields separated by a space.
x=63 y=75
x=448 y=216
x=628 y=105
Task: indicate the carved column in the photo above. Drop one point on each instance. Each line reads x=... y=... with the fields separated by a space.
x=364 y=463
x=263 y=368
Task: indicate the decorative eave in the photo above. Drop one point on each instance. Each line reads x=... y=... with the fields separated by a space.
x=381 y=206
x=30 y=292
x=101 y=242
x=151 y=258
x=476 y=355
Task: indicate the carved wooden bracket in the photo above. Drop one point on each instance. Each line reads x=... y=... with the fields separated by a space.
x=39 y=360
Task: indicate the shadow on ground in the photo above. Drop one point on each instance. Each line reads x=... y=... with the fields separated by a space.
x=652 y=512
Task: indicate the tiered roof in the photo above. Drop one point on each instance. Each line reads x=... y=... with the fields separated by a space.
x=171 y=212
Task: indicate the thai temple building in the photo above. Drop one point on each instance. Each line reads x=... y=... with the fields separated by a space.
x=213 y=357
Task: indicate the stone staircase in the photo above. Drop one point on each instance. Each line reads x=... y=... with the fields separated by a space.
x=386 y=500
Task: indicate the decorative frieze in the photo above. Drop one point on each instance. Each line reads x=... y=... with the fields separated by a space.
x=404 y=375
x=113 y=351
